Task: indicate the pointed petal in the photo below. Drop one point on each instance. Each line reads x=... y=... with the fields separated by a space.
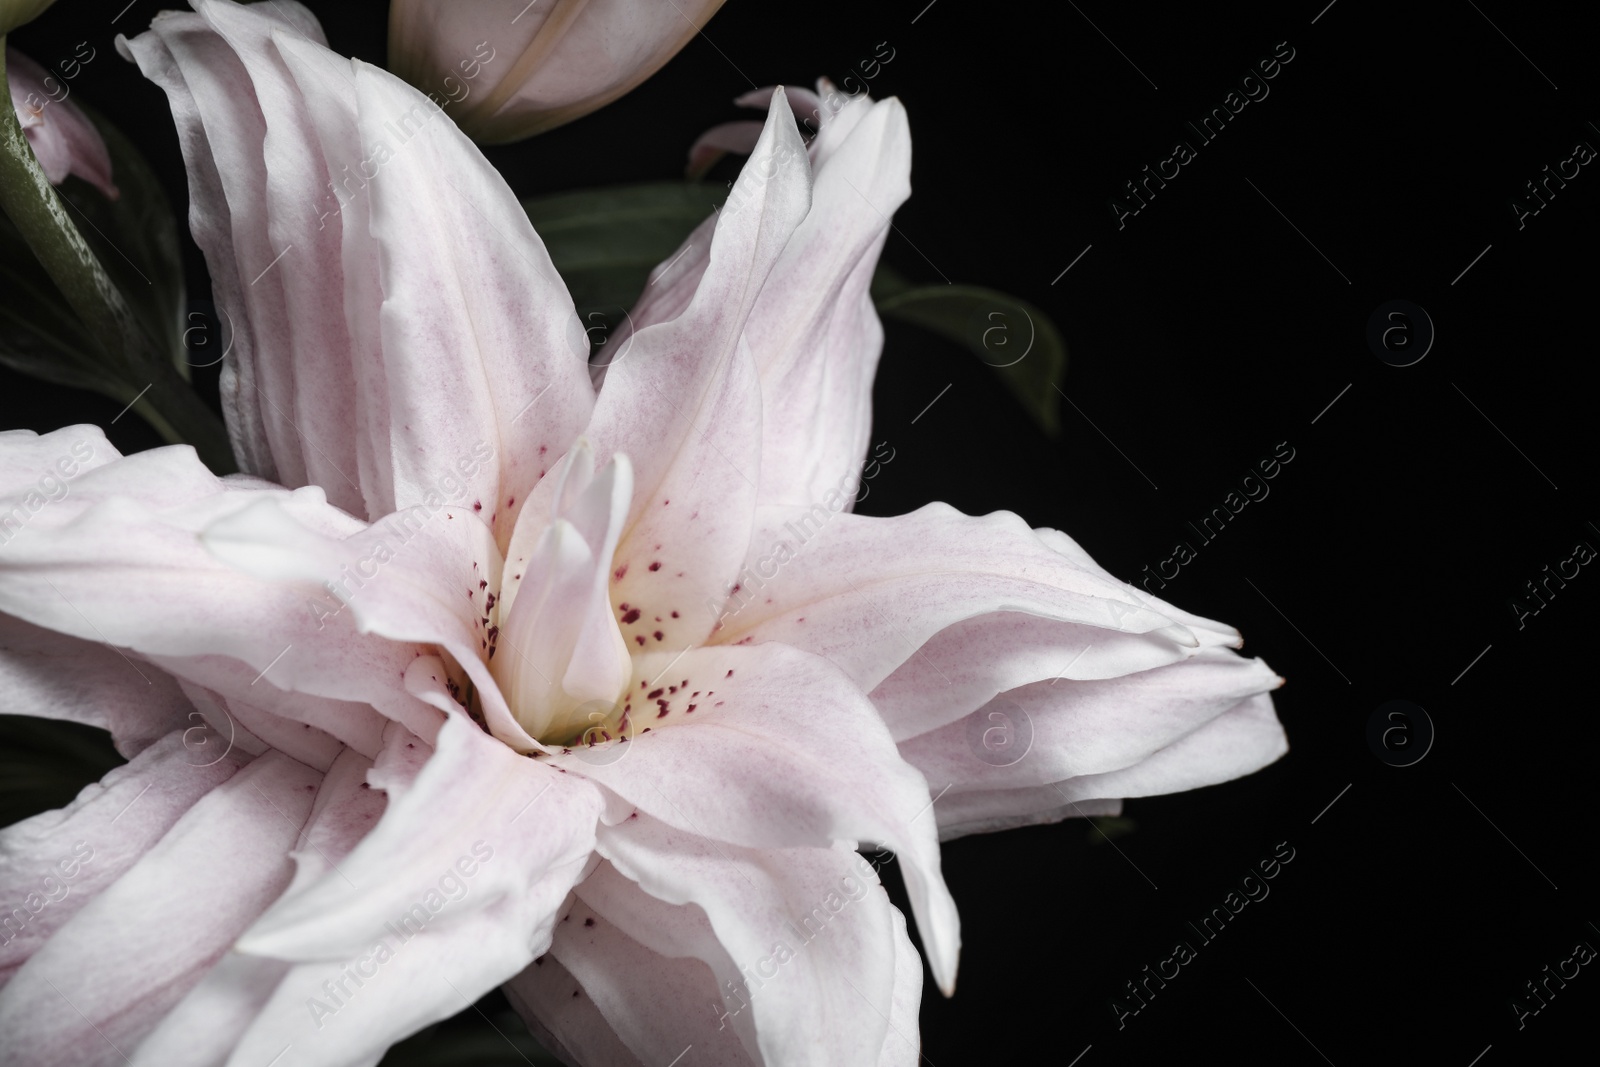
x=481 y=341
x=814 y=332
x=53 y=864
x=1240 y=741
x=966 y=665
x=1080 y=728
x=846 y=588
x=812 y=925
x=745 y=766
x=102 y=982
x=685 y=406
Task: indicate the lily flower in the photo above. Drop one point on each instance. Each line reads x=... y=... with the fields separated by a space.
x=590 y=692
x=516 y=69
x=61 y=136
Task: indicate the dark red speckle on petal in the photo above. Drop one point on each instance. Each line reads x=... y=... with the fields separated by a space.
x=477 y=505
x=656 y=565
x=654 y=693
x=588 y=922
x=620 y=572
x=729 y=674
x=639 y=638
x=658 y=635
x=631 y=616
x=482 y=584
x=674 y=614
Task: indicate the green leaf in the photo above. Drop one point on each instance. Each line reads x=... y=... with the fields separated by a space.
x=44 y=763
x=94 y=288
x=1013 y=336
x=606 y=241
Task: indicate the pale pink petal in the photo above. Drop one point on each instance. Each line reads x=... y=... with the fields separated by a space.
x=207 y=1024
x=902 y=1044
x=1078 y=728
x=221 y=130
x=481 y=342
x=44 y=465
x=866 y=593
x=521 y=829
x=520 y=69
x=54 y=863
x=718 y=141
x=424 y=575
x=684 y=405
x=385 y=357
x=61 y=136
x=1240 y=741
x=965 y=665
x=298 y=319
x=810 y=929
x=108 y=976
x=118 y=561
x=53 y=676
x=570 y=1026
x=768 y=747
x=814 y=332
x=658 y=1006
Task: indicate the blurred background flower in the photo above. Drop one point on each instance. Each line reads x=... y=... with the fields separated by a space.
x=551 y=62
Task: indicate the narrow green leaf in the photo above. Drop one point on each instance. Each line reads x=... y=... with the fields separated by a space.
x=1013 y=336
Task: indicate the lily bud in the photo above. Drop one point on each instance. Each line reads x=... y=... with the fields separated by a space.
x=14 y=13
x=61 y=136
x=508 y=69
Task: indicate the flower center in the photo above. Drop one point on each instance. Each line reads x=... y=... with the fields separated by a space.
x=563 y=665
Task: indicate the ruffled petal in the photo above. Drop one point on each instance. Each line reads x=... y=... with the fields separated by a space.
x=53 y=676
x=53 y=864
x=91 y=992
x=809 y=931
x=814 y=332
x=768 y=747
x=1240 y=741
x=1050 y=732
x=847 y=588
x=522 y=830
x=118 y=561
x=682 y=401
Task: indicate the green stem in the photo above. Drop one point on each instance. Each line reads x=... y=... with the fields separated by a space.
x=33 y=206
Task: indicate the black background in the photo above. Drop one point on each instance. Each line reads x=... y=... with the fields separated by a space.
x=1210 y=328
